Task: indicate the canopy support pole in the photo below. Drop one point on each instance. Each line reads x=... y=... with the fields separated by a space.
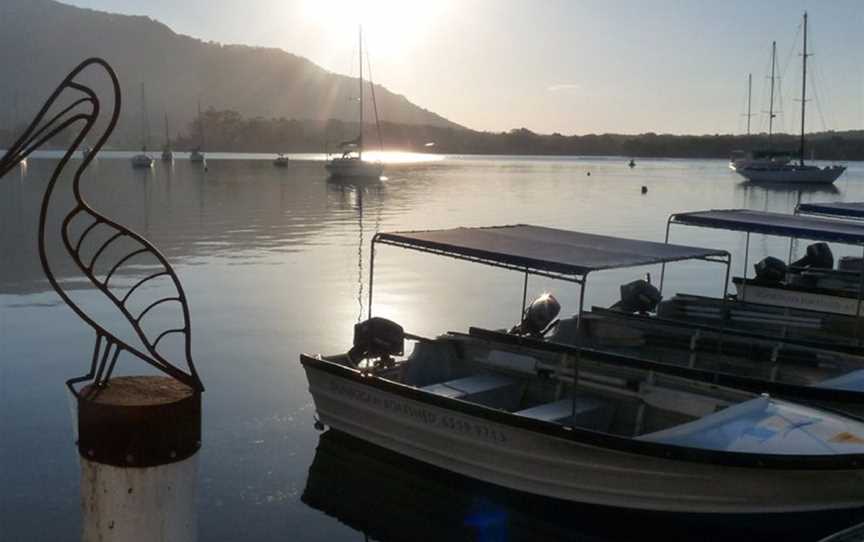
x=724 y=309
x=746 y=258
x=860 y=295
x=663 y=266
x=371 y=273
x=524 y=294
x=579 y=344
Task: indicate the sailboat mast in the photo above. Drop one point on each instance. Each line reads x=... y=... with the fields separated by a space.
x=803 y=88
x=145 y=129
x=749 y=96
x=771 y=99
x=360 y=139
x=200 y=127
x=167 y=138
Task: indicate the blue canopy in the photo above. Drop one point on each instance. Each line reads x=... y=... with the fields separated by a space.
x=803 y=227
x=850 y=209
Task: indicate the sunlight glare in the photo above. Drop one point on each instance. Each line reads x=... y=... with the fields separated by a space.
x=391 y=28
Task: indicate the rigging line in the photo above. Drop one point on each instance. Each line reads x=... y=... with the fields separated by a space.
x=374 y=101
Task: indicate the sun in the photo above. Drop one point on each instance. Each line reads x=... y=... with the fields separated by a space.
x=391 y=28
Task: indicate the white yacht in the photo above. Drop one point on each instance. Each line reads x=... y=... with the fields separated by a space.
x=771 y=170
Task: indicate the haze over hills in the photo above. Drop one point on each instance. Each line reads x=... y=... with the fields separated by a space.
x=41 y=40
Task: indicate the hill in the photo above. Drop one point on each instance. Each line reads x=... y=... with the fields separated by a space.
x=41 y=40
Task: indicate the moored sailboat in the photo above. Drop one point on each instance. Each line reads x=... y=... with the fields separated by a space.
x=780 y=171
x=143 y=160
x=351 y=163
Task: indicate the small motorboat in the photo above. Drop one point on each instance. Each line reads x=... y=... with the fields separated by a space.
x=632 y=163
x=197 y=156
x=142 y=160
x=563 y=422
x=281 y=160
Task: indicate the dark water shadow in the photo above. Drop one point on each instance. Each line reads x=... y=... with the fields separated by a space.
x=387 y=496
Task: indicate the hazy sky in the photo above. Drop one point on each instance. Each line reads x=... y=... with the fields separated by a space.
x=569 y=66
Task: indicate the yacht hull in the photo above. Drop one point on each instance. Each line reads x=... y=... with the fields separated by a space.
x=548 y=460
x=791 y=174
x=353 y=168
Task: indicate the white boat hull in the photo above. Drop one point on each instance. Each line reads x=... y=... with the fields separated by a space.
x=522 y=459
x=354 y=168
x=796 y=299
x=791 y=174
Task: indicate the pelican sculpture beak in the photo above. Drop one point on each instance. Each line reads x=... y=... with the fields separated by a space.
x=45 y=126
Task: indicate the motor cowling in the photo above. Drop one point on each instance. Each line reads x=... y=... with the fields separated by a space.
x=818 y=256
x=538 y=316
x=377 y=338
x=770 y=270
x=638 y=296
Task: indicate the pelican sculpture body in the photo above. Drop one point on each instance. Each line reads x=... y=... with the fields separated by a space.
x=101 y=265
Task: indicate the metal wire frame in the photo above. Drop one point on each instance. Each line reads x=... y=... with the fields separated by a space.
x=108 y=346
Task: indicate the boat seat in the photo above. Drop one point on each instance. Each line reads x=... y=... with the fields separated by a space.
x=590 y=412
x=691 y=404
x=491 y=390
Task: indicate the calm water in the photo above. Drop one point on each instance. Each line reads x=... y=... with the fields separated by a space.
x=274 y=262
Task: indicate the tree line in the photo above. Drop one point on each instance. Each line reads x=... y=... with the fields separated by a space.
x=230 y=131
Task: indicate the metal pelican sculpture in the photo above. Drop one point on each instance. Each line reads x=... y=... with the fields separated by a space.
x=98 y=249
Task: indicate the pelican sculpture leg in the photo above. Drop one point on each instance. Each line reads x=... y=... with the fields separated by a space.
x=80 y=108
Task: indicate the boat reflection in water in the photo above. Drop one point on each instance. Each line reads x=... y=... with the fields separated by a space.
x=388 y=496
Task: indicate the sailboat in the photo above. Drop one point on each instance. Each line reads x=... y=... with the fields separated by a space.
x=768 y=158
x=197 y=155
x=771 y=168
x=351 y=163
x=167 y=153
x=143 y=160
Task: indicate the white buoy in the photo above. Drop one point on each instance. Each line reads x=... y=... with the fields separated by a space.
x=138 y=439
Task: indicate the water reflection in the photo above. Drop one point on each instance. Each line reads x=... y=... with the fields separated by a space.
x=387 y=497
x=275 y=262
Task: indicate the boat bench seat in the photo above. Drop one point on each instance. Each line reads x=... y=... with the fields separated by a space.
x=590 y=412
x=490 y=390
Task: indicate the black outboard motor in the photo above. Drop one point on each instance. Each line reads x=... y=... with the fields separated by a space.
x=638 y=296
x=818 y=256
x=770 y=270
x=377 y=338
x=538 y=317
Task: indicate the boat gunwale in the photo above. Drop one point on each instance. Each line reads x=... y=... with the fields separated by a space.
x=790 y=392
x=799 y=288
x=588 y=437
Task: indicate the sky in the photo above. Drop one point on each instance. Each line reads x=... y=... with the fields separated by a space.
x=567 y=66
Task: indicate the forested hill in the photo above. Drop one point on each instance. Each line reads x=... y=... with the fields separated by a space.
x=41 y=40
x=230 y=131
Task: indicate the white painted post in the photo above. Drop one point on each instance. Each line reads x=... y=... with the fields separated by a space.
x=138 y=439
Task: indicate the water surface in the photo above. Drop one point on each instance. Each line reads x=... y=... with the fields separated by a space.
x=275 y=262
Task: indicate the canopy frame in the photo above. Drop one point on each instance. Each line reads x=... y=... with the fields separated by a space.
x=792 y=231
x=578 y=276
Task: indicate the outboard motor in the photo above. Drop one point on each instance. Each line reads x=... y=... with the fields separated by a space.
x=770 y=270
x=637 y=296
x=377 y=338
x=818 y=256
x=538 y=317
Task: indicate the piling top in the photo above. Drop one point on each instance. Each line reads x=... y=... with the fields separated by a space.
x=139 y=421
x=139 y=391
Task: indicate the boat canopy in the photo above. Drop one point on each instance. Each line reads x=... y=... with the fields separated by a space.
x=563 y=254
x=784 y=225
x=850 y=209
